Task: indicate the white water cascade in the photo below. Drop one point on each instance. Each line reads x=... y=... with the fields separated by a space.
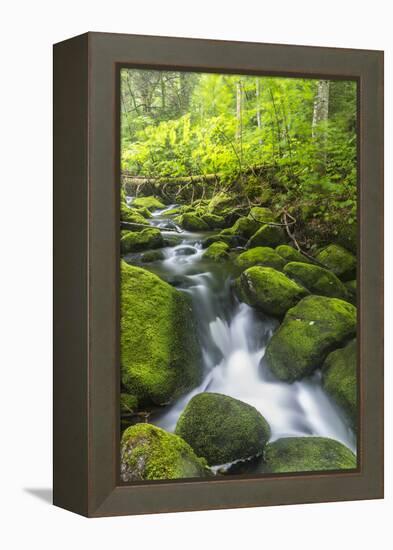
x=233 y=339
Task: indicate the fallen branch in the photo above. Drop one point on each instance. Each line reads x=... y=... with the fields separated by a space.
x=293 y=239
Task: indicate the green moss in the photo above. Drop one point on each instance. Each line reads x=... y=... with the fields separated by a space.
x=151 y=203
x=134 y=241
x=290 y=254
x=261 y=215
x=143 y=211
x=267 y=235
x=131 y=215
x=128 y=403
x=230 y=240
x=177 y=211
x=347 y=236
x=351 y=287
x=160 y=354
x=260 y=255
x=191 y=222
x=222 y=429
x=339 y=260
x=152 y=256
x=307 y=454
x=149 y=453
x=268 y=290
x=244 y=227
x=217 y=252
x=316 y=279
x=220 y=202
x=339 y=378
x=313 y=328
x=213 y=221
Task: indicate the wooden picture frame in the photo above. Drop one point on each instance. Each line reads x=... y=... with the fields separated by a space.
x=86 y=273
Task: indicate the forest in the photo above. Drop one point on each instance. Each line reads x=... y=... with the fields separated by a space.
x=238 y=240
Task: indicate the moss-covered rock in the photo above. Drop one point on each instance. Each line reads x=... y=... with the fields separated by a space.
x=313 y=328
x=152 y=256
x=351 y=287
x=261 y=214
x=149 y=453
x=160 y=354
x=177 y=211
x=213 y=221
x=307 y=454
x=244 y=227
x=151 y=203
x=191 y=222
x=217 y=252
x=339 y=260
x=267 y=235
x=143 y=211
x=268 y=290
x=231 y=240
x=220 y=202
x=131 y=215
x=290 y=254
x=316 y=279
x=222 y=429
x=260 y=255
x=128 y=403
x=339 y=379
x=136 y=241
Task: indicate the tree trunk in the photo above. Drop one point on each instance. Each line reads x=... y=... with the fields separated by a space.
x=319 y=128
x=321 y=106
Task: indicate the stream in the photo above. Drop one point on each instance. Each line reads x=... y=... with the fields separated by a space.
x=233 y=338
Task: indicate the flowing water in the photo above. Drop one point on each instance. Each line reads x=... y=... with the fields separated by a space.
x=233 y=339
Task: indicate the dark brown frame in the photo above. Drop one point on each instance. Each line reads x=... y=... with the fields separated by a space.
x=86 y=270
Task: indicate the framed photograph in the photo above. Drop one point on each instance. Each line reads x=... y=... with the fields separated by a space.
x=218 y=274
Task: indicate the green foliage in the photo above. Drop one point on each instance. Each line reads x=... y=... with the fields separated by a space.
x=181 y=124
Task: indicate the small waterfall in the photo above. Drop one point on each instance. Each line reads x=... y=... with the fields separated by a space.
x=234 y=339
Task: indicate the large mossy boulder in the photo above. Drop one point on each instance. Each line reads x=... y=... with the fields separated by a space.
x=260 y=255
x=220 y=202
x=218 y=252
x=222 y=429
x=213 y=221
x=339 y=260
x=143 y=211
x=151 y=203
x=191 y=222
x=268 y=290
x=131 y=215
x=267 y=235
x=160 y=355
x=290 y=254
x=136 y=241
x=244 y=227
x=306 y=454
x=149 y=453
x=313 y=328
x=339 y=378
x=231 y=240
x=316 y=279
